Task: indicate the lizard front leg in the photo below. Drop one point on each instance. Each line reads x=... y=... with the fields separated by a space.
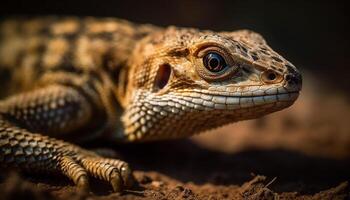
x=26 y=118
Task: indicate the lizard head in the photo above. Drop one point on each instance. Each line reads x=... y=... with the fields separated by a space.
x=185 y=81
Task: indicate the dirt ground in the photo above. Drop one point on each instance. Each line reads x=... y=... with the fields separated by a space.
x=300 y=153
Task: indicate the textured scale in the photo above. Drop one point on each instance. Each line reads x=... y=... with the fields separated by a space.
x=69 y=80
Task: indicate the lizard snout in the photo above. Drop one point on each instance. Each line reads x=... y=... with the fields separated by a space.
x=293 y=80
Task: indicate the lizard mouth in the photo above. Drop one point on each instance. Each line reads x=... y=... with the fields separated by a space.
x=230 y=102
x=272 y=98
x=235 y=101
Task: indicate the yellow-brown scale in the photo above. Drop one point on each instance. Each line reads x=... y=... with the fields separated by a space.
x=77 y=79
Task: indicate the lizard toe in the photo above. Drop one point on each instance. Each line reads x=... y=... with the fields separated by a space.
x=116 y=181
x=100 y=169
x=124 y=170
x=127 y=176
x=83 y=184
x=75 y=172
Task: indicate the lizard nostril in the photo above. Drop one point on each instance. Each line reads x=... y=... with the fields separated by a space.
x=270 y=76
x=162 y=77
x=294 y=79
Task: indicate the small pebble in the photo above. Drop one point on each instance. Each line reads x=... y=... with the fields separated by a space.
x=157 y=183
x=187 y=193
x=179 y=187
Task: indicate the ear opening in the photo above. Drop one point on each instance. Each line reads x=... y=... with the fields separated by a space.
x=162 y=77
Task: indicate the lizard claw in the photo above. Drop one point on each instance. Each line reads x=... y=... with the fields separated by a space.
x=83 y=184
x=116 y=181
x=116 y=172
x=127 y=176
x=111 y=170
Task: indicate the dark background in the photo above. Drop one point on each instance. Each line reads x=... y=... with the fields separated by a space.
x=311 y=34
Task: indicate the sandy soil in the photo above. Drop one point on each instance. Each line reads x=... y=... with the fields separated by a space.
x=300 y=153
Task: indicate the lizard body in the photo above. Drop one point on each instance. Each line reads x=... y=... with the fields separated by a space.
x=78 y=79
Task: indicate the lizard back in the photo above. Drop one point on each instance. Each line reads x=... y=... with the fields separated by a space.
x=32 y=48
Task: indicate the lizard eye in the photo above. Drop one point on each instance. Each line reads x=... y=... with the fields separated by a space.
x=217 y=64
x=214 y=62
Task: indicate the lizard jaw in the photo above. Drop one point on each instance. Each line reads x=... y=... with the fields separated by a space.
x=154 y=115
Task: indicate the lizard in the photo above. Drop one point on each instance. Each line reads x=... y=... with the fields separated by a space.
x=69 y=80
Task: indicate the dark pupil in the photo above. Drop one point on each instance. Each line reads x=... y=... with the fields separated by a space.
x=214 y=62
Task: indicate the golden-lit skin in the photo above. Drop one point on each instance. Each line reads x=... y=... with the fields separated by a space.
x=194 y=98
x=78 y=79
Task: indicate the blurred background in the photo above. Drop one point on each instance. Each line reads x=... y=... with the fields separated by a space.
x=306 y=146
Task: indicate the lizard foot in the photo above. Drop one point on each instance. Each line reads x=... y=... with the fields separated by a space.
x=24 y=150
x=114 y=171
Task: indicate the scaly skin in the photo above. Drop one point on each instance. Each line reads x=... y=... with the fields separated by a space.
x=78 y=79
